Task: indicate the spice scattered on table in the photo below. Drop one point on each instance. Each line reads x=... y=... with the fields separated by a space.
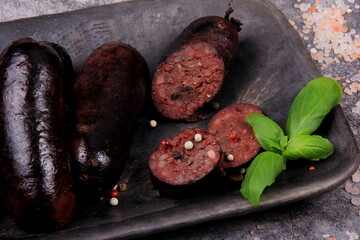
x=355 y=201
x=153 y=123
x=260 y=227
x=352 y=235
x=348 y=186
x=114 y=201
x=331 y=40
x=355 y=177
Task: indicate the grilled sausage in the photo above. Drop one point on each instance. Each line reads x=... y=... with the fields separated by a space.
x=36 y=179
x=109 y=93
x=178 y=170
x=193 y=72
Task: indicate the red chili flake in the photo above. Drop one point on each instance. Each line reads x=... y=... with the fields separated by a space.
x=233 y=137
x=243 y=131
x=114 y=193
x=312 y=168
x=165 y=143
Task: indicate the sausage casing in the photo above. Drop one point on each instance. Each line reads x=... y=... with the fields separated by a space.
x=36 y=178
x=109 y=94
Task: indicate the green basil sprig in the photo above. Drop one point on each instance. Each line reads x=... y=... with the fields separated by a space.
x=267 y=132
x=260 y=174
x=311 y=105
x=311 y=147
x=307 y=112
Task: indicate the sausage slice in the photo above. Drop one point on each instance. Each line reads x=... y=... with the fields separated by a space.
x=234 y=134
x=193 y=72
x=180 y=166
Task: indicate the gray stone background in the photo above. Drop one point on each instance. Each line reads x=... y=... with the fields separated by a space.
x=330 y=29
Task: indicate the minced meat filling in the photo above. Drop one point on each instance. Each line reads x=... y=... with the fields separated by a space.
x=187 y=79
x=176 y=165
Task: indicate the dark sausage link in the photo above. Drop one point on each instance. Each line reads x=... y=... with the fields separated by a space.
x=193 y=72
x=70 y=76
x=36 y=180
x=110 y=94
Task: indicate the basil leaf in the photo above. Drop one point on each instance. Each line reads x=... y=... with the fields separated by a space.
x=261 y=173
x=311 y=105
x=312 y=147
x=267 y=132
x=283 y=142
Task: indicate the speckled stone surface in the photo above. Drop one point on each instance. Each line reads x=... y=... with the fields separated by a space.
x=335 y=214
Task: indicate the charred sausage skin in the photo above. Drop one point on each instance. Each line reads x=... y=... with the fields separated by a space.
x=193 y=71
x=109 y=94
x=36 y=180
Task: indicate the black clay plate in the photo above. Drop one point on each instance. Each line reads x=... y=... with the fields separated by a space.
x=271 y=66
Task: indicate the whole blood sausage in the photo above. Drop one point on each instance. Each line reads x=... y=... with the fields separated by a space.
x=193 y=72
x=234 y=134
x=109 y=94
x=183 y=165
x=36 y=180
x=70 y=76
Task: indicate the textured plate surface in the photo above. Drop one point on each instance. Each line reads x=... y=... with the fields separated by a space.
x=271 y=66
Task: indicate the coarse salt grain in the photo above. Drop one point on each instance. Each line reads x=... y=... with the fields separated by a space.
x=355 y=201
x=353 y=236
x=348 y=187
x=348 y=91
x=356 y=176
x=304 y=7
x=354 y=191
x=260 y=227
x=313 y=50
x=306 y=31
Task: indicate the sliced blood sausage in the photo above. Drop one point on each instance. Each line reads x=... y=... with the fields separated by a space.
x=109 y=94
x=234 y=134
x=193 y=71
x=179 y=172
x=36 y=180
